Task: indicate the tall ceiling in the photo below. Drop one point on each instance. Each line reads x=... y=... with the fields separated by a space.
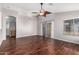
x=35 y=7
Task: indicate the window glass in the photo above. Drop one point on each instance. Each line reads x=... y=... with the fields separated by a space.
x=71 y=27
x=68 y=26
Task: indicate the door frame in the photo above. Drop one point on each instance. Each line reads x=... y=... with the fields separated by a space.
x=52 y=28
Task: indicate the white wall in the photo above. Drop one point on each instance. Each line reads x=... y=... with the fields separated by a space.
x=0 y=25
x=25 y=25
x=59 y=24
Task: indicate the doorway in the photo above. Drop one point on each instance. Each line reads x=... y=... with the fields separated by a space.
x=47 y=29
x=11 y=31
x=10 y=27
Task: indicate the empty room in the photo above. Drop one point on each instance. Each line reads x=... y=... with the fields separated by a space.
x=39 y=28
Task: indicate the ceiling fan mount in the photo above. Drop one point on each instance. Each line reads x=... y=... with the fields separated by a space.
x=42 y=11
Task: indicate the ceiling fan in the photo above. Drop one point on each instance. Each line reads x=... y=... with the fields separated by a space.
x=42 y=12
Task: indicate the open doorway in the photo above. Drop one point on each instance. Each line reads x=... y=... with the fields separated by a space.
x=10 y=27
x=11 y=31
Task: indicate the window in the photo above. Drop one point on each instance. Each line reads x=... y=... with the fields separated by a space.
x=76 y=26
x=71 y=27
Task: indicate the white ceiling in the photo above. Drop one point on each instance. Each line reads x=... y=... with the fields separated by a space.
x=35 y=7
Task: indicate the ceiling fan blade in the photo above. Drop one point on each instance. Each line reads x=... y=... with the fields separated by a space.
x=47 y=12
x=34 y=12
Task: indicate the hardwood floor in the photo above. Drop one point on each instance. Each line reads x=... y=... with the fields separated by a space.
x=37 y=45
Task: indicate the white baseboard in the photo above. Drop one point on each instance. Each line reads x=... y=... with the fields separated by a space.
x=24 y=35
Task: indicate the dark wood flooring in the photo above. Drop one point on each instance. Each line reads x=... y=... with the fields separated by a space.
x=37 y=45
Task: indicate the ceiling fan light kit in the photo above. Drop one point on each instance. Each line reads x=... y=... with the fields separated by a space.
x=42 y=11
